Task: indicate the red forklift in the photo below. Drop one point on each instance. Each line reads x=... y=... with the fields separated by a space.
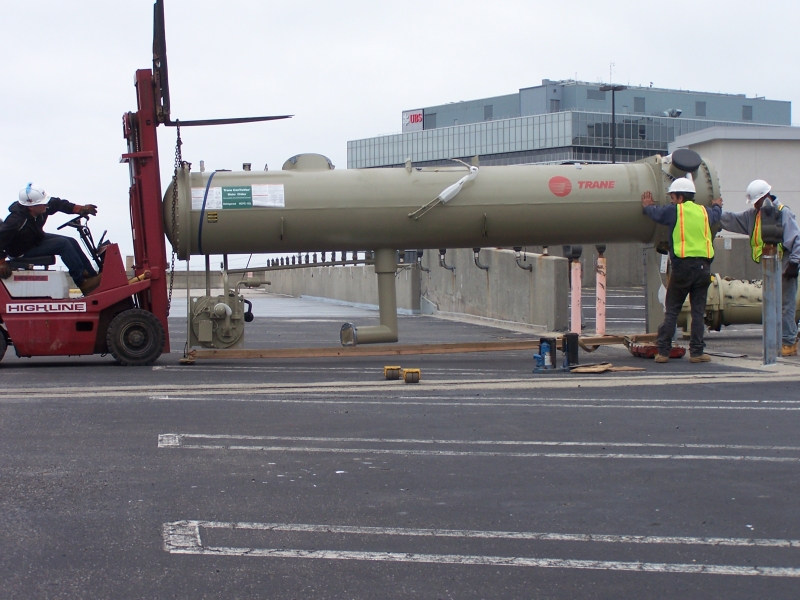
x=125 y=316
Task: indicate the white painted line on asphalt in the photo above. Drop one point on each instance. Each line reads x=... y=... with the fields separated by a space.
x=195 y=526
x=170 y=442
x=184 y=537
x=176 y=439
x=783 y=373
x=536 y=403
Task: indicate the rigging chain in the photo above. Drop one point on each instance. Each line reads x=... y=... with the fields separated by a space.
x=178 y=165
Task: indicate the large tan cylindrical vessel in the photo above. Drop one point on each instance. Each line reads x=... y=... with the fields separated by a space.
x=324 y=209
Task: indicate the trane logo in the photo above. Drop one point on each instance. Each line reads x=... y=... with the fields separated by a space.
x=46 y=307
x=596 y=185
x=415 y=118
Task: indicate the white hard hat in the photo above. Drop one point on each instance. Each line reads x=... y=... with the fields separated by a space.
x=757 y=190
x=33 y=195
x=681 y=186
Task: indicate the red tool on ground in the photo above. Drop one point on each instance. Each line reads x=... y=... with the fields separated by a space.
x=650 y=350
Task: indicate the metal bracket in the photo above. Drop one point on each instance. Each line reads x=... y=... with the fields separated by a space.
x=518 y=256
x=442 y=262
x=477 y=252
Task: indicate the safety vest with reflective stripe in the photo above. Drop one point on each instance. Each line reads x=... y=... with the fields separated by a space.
x=691 y=237
x=756 y=243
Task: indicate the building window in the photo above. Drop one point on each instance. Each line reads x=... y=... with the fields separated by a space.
x=488 y=112
x=747 y=113
x=638 y=105
x=595 y=95
x=429 y=121
x=555 y=105
x=700 y=109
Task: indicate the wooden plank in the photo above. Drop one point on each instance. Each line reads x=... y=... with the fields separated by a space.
x=400 y=349
x=368 y=350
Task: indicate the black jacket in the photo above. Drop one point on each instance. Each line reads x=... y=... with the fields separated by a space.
x=21 y=231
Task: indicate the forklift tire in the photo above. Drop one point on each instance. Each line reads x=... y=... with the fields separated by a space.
x=135 y=337
x=3 y=344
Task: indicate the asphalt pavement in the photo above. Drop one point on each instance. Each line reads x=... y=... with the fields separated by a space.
x=318 y=478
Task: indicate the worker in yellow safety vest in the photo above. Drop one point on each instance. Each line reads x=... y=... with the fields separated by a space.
x=748 y=222
x=691 y=250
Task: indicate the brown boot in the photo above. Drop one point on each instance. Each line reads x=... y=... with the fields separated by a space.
x=660 y=358
x=789 y=350
x=90 y=284
x=700 y=358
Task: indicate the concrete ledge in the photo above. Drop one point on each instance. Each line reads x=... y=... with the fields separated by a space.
x=505 y=292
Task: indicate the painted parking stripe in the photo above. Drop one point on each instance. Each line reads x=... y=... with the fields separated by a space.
x=784 y=373
x=605 y=403
x=176 y=441
x=184 y=537
x=170 y=439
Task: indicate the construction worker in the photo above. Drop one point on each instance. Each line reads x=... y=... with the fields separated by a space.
x=748 y=222
x=691 y=250
x=22 y=235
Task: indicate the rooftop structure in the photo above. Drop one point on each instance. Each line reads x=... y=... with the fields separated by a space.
x=561 y=121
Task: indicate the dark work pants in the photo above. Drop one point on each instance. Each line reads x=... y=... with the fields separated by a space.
x=690 y=276
x=69 y=251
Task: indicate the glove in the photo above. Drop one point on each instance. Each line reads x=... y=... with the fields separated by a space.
x=791 y=270
x=5 y=270
x=85 y=209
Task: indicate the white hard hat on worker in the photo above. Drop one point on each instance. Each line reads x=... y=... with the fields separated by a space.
x=757 y=190
x=681 y=186
x=33 y=195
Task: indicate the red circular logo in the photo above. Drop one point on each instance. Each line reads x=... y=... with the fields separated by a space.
x=560 y=186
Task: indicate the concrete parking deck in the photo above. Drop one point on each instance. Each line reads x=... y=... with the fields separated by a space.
x=317 y=478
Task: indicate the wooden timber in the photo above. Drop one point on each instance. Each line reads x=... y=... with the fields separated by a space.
x=405 y=349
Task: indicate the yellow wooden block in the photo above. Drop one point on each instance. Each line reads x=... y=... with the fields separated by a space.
x=412 y=375
x=392 y=372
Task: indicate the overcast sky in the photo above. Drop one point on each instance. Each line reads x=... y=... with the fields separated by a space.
x=345 y=69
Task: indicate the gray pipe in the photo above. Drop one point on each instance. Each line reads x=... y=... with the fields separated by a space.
x=386 y=332
x=731 y=302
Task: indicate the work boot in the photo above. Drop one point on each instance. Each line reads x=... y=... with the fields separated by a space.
x=700 y=358
x=660 y=358
x=90 y=284
x=789 y=350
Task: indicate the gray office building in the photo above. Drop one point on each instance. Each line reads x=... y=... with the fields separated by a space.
x=560 y=121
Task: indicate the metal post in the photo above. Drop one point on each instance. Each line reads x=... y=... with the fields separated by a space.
x=225 y=285
x=189 y=303
x=654 y=313
x=385 y=268
x=613 y=89
x=573 y=253
x=208 y=275
x=600 y=291
x=575 y=315
x=771 y=307
x=613 y=127
x=771 y=235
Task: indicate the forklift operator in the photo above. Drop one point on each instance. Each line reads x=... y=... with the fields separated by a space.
x=22 y=235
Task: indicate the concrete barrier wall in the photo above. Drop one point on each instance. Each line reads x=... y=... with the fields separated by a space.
x=357 y=284
x=625 y=267
x=504 y=292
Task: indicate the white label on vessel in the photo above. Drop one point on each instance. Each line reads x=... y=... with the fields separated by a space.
x=213 y=201
x=269 y=195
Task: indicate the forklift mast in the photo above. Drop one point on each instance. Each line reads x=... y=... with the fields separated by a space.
x=147 y=218
x=147 y=221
